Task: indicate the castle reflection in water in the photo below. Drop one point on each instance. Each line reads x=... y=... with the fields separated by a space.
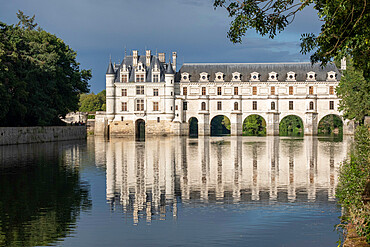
x=146 y=179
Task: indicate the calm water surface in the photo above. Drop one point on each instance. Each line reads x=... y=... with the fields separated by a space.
x=171 y=191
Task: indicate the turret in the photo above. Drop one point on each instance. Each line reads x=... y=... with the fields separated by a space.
x=109 y=81
x=169 y=77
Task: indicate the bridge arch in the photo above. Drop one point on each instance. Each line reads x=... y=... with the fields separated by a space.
x=291 y=125
x=220 y=125
x=254 y=125
x=330 y=124
x=140 y=129
x=193 y=127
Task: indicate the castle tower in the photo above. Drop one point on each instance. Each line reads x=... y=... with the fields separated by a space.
x=109 y=82
x=170 y=91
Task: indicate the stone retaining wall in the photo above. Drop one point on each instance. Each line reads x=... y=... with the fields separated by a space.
x=18 y=135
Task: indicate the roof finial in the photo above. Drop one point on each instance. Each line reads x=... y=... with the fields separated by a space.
x=125 y=51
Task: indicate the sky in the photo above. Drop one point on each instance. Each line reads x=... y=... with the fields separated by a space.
x=98 y=29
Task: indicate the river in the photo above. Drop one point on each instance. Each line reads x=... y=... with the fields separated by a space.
x=172 y=191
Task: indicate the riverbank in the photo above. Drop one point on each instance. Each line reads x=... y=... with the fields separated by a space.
x=353 y=190
x=22 y=135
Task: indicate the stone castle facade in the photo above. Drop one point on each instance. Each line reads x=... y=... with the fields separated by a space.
x=144 y=93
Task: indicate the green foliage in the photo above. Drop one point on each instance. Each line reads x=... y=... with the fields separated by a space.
x=330 y=125
x=345 y=30
x=92 y=102
x=354 y=90
x=40 y=79
x=291 y=126
x=220 y=125
x=353 y=176
x=254 y=125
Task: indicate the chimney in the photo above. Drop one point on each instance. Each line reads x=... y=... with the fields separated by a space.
x=162 y=57
x=174 y=57
x=343 y=64
x=147 y=58
x=134 y=58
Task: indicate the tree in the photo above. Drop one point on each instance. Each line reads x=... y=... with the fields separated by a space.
x=92 y=102
x=354 y=90
x=40 y=79
x=291 y=126
x=254 y=125
x=345 y=30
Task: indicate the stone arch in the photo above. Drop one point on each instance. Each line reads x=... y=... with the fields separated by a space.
x=254 y=125
x=193 y=127
x=140 y=129
x=291 y=125
x=330 y=124
x=220 y=125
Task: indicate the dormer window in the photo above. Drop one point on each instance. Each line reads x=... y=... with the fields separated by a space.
x=203 y=76
x=290 y=76
x=311 y=76
x=124 y=73
x=331 y=76
x=236 y=76
x=140 y=67
x=273 y=76
x=255 y=76
x=219 y=76
x=185 y=77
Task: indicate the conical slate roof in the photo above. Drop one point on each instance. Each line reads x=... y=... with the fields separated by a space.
x=110 y=69
x=169 y=69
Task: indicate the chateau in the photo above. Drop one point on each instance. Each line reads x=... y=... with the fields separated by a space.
x=147 y=95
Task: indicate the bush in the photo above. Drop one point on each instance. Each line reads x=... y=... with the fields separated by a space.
x=354 y=174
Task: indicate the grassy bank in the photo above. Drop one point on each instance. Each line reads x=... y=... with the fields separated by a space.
x=354 y=177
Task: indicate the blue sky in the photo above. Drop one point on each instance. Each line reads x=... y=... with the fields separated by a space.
x=97 y=29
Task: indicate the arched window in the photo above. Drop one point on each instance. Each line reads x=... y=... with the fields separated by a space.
x=311 y=105
x=272 y=105
x=203 y=106
x=236 y=106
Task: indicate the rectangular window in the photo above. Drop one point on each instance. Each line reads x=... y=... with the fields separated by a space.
x=124 y=106
x=219 y=92
x=140 y=90
x=155 y=106
x=236 y=91
x=219 y=105
x=185 y=106
x=331 y=90
x=331 y=105
x=139 y=105
x=124 y=92
x=155 y=92
x=184 y=91
x=155 y=78
x=254 y=90
x=177 y=108
x=310 y=90
x=139 y=78
x=254 y=105
x=290 y=105
x=124 y=78
x=272 y=90
x=290 y=90
x=204 y=92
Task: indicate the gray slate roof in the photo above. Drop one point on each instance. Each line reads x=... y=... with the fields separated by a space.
x=300 y=69
x=128 y=61
x=169 y=69
x=110 y=69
